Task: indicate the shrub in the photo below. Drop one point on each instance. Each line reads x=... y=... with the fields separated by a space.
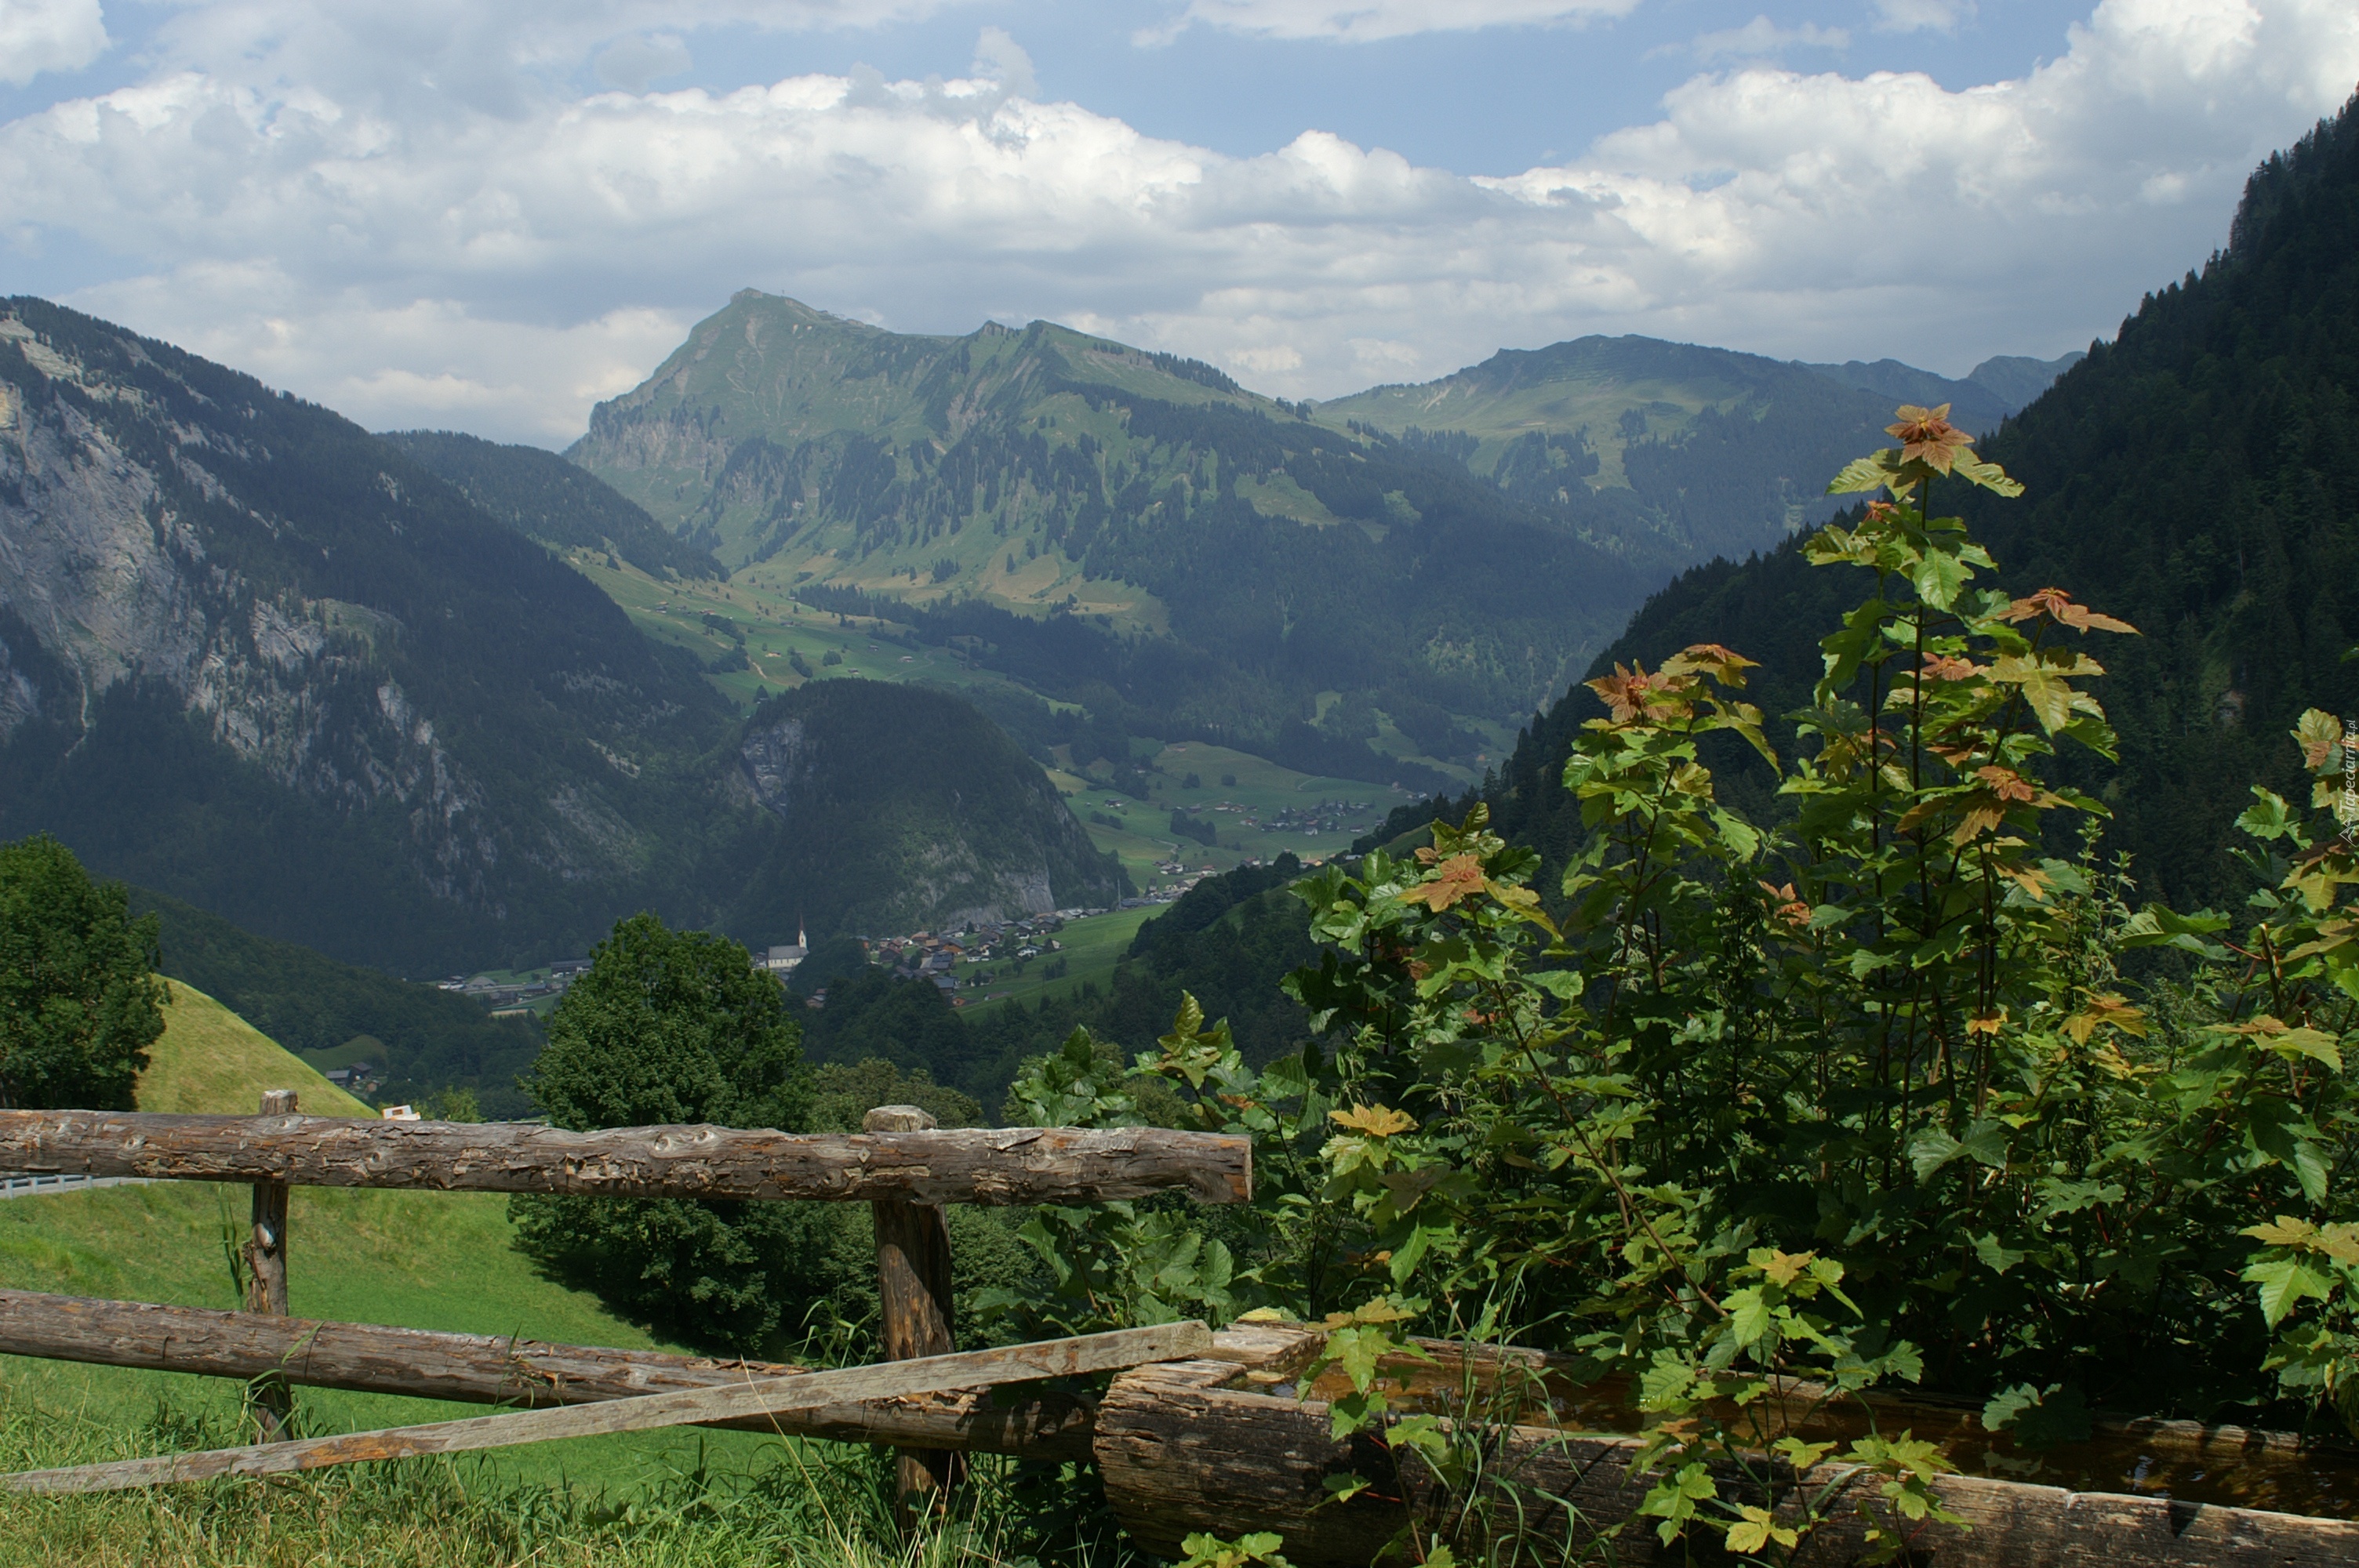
x=80 y=1003
x=668 y=1027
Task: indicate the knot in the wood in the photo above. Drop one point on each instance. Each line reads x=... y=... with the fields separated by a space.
x=897 y=1119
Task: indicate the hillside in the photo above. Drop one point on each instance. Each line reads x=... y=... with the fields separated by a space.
x=543 y=497
x=210 y=1060
x=441 y=1261
x=259 y=661
x=904 y=807
x=1221 y=560
x=1693 y=451
x=2193 y=477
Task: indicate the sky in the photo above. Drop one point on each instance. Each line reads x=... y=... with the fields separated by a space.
x=488 y=216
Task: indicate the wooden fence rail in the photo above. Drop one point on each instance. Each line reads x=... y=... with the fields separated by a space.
x=499 y=1369
x=978 y=1165
x=752 y=1400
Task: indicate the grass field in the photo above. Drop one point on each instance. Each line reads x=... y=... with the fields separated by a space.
x=415 y=1260
x=1092 y=947
x=210 y=1059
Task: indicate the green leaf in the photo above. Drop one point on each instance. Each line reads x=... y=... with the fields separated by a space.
x=1937 y=577
x=1996 y=1255
x=1930 y=1150
x=2271 y=818
x=2284 y=1284
x=1989 y=475
x=1862 y=474
x=1665 y=1384
x=1985 y=1142
x=1749 y=1317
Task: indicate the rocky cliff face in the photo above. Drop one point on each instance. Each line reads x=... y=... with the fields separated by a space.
x=915 y=810
x=328 y=620
x=105 y=572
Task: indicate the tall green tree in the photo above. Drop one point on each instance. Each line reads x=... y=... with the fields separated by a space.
x=79 y=1002
x=666 y=1027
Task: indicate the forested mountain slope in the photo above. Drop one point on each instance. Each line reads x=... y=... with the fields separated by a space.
x=2198 y=477
x=256 y=659
x=542 y=497
x=1232 y=558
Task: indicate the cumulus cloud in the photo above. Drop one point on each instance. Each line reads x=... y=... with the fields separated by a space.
x=48 y=35
x=1360 y=21
x=502 y=270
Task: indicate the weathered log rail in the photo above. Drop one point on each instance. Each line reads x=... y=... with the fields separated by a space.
x=751 y=1400
x=977 y=1165
x=1209 y=1445
x=499 y=1369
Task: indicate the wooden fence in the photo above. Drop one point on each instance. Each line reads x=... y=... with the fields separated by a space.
x=1198 y=1432
x=901 y=1164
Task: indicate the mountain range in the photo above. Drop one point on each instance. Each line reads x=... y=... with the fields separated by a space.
x=1136 y=533
x=353 y=690
x=257 y=659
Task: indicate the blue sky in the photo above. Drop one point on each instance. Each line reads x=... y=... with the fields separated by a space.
x=440 y=212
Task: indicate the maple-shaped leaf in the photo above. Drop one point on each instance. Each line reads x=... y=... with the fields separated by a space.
x=1944 y=668
x=1927 y=437
x=2339 y=1243
x=1376 y=1121
x=1982 y=814
x=1459 y=876
x=2321 y=734
x=2057 y=605
x=1710 y=659
x=2107 y=1009
x=2005 y=783
x=1628 y=694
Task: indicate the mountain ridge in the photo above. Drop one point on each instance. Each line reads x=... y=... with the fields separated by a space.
x=256 y=659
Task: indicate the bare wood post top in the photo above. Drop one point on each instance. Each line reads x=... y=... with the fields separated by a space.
x=266 y=1279
x=985 y=1165
x=914 y=1299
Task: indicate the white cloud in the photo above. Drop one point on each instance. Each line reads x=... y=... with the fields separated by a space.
x=1363 y=20
x=48 y=35
x=1761 y=38
x=1916 y=15
x=502 y=268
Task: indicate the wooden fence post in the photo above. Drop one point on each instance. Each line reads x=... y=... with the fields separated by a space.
x=266 y=1279
x=913 y=1289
